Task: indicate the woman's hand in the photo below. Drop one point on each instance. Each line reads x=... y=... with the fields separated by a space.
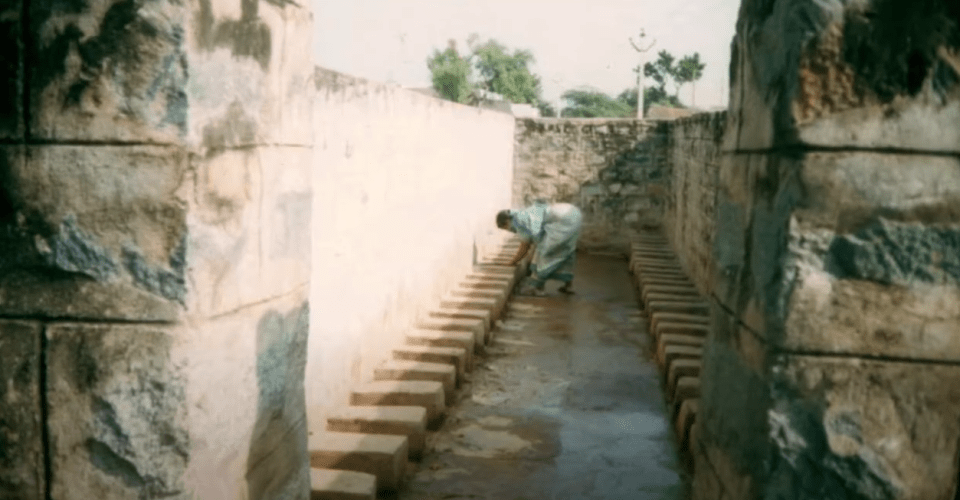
x=524 y=248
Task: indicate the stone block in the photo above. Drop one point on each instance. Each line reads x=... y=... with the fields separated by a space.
x=667 y=328
x=331 y=484
x=409 y=421
x=99 y=233
x=686 y=418
x=675 y=352
x=444 y=355
x=669 y=297
x=382 y=456
x=12 y=74
x=835 y=79
x=453 y=302
x=117 y=413
x=674 y=339
x=669 y=317
x=678 y=306
x=887 y=428
x=107 y=71
x=685 y=389
x=446 y=374
x=464 y=313
x=444 y=338
x=689 y=367
x=21 y=426
x=475 y=327
x=675 y=290
x=472 y=293
x=427 y=394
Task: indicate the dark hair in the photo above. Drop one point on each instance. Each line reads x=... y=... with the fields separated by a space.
x=503 y=218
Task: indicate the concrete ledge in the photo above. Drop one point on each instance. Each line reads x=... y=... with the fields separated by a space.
x=444 y=373
x=678 y=306
x=672 y=353
x=499 y=296
x=464 y=313
x=680 y=368
x=329 y=484
x=446 y=355
x=662 y=317
x=481 y=303
x=427 y=394
x=675 y=339
x=382 y=456
x=475 y=327
x=409 y=421
x=445 y=338
x=667 y=328
x=686 y=420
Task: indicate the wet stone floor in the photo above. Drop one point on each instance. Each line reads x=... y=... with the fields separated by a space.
x=566 y=404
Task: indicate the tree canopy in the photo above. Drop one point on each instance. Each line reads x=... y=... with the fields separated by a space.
x=667 y=70
x=592 y=103
x=489 y=66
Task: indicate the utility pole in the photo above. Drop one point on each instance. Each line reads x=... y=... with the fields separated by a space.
x=639 y=70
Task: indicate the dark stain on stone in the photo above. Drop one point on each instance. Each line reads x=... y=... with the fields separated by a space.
x=892 y=44
x=167 y=282
x=247 y=37
x=74 y=251
x=897 y=253
x=104 y=414
x=142 y=58
x=21 y=422
x=278 y=460
x=234 y=129
x=11 y=70
x=108 y=461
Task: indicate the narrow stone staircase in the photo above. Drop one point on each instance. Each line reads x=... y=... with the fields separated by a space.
x=365 y=446
x=678 y=318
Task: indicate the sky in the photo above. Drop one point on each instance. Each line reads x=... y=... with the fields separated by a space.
x=575 y=42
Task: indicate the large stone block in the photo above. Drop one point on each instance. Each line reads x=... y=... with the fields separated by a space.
x=96 y=232
x=11 y=70
x=22 y=469
x=117 y=413
x=871 y=74
x=108 y=70
x=850 y=428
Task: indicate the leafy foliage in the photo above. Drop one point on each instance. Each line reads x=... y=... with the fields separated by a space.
x=589 y=103
x=667 y=70
x=450 y=74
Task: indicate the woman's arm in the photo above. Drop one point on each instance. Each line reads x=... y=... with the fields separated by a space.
x=524 y=248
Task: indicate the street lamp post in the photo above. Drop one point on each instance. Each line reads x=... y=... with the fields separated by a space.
x=639 y=71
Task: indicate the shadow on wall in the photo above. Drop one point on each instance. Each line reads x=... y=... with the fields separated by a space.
x=278 y=462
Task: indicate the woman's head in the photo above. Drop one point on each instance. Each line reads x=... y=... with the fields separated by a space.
x=503 y=219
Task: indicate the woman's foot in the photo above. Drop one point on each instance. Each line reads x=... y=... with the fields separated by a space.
x=566 y=288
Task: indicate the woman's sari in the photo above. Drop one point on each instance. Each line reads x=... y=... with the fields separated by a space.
x=554 y=229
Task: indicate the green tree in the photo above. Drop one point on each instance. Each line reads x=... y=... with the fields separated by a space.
x=450 y=74
x=689 y=70
x=506 y=73
x=591 y=103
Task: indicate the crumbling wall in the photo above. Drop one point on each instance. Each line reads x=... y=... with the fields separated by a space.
x=832 y=368
x=154 y=180
x=615 y=170
x=690 y=204
x=407 y=188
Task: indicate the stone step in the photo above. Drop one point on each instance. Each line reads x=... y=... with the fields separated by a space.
x=428 y=394
x=480 y=303
x=444 y=338
x=675 y=339
x=677 y=306
x=672 y=353
x=660 y=317
x=409 y=421
x=645 y=274
x=475 y=327
x=680 y=368
x=330 y=484
x=507 y=278
x=380 y=455
x=681 y=290
x=669 y=297
x=686 y=421
x=485 y=284
x=444 y=355
x=686 y=388
x=444 y=373
x=641 y=284
x=464 y=313
x=475 y=293
x=642 y=259
x=667 y=328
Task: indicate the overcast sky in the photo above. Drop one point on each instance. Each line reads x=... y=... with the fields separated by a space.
x=575 y=42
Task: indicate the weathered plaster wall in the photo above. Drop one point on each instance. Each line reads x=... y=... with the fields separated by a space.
x=615 y=170
x=690 y=205
x=832 y=370
x=152 y=273
x=407 y=188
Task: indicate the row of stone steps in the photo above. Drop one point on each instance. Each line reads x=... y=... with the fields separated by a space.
x=679 y=319
x=363 y=449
